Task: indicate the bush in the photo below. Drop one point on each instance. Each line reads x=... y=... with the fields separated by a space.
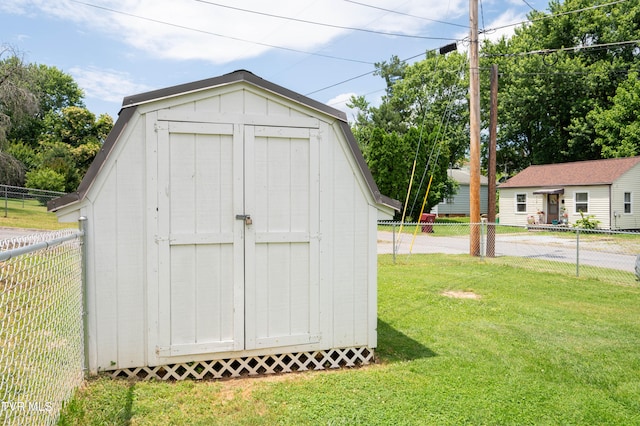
x=46 y=179
x=587 y=222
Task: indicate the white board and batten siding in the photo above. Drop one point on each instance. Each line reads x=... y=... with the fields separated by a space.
x=224 y=223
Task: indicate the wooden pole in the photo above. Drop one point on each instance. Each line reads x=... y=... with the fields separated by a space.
x=493 y=128
x=474 y=125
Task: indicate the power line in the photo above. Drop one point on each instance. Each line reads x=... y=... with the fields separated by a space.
x=564 y=49
x=556 y=15
x=406 y=14
x=364 y=74
x=184 y=27
x=304 y=21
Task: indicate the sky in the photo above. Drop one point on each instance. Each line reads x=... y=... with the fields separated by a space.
x=324 y=49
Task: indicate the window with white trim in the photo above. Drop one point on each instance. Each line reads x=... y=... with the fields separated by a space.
x=581 y=202
x=521 y=203
x=627 y=203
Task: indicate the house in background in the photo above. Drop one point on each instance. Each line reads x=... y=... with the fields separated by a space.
x=458 y=204
x=231 y=227
x=607 y=189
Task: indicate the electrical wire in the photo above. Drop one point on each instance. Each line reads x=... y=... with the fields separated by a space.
x=406 y=14
x=542 y=18
x=304 y=21
x=184 y=27
x=563 y=49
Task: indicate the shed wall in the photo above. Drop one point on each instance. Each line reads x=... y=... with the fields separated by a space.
x=122 y=252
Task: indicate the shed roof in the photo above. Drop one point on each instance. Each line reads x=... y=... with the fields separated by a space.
x=592 y=172
x=130 y=104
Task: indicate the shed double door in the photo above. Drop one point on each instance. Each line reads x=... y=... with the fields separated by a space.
x=238 y=237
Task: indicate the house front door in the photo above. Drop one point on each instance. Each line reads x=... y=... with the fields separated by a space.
x=553 y=212
x=238 y=237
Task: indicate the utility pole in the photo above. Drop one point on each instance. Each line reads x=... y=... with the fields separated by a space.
x=493 y=129
x=474 y=126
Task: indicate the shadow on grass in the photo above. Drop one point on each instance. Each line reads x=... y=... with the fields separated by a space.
x=394 y=346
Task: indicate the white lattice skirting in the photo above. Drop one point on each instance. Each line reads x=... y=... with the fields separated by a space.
x=252 y=366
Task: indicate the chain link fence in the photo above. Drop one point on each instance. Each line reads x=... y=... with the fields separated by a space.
x=17 y=196
x=41 y=325
x=591 y=253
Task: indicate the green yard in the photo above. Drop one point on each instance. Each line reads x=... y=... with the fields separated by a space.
x=16 y=213
x=505 y=346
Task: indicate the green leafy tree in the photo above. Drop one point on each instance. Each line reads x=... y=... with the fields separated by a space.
x=617 y=128
x=423 y=118
x=54 y=91
x=554 y=82
x=17 y=100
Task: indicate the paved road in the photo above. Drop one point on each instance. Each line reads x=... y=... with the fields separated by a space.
x=6 y=233
x=530 y=246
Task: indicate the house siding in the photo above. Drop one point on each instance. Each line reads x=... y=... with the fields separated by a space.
x=461 y=203
x=598 y=204
x=629 y=182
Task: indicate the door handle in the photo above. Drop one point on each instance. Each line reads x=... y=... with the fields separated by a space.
x=247 y=218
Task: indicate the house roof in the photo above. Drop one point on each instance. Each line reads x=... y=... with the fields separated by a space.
x=592 y=172
x=131 y=103
x=463 y=176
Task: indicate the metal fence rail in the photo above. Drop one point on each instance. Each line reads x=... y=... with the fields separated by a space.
x=41 y=325
x=592 y=253
x=18 y=194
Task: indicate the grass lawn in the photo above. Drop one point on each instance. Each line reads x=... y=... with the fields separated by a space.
x=28 y=214
x=507 y=346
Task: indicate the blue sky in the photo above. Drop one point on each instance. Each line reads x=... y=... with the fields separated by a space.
x=117 y=48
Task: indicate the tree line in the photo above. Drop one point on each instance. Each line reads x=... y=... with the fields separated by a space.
x=48 y=138
x=569 y=90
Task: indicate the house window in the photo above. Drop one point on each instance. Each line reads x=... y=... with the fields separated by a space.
x=450 y=200
x=582 y=202
x=521 y=203
x=627 y=202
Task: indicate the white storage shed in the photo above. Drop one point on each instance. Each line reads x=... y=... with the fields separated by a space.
x=230 y=228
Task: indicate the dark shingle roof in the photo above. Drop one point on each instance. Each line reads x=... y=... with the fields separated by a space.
x=592 y=172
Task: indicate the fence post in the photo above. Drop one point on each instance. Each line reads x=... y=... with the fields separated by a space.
x=393 y=227
x=6 y=201
x=483 y=227
x=82 y=224
x=578 y=252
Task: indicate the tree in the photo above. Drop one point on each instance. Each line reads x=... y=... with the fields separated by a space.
x=553 y=80
x=617 y=128
x=54 y=91
x=423 y=117
x=45 y=129
x=11 y=170
x=17 y=101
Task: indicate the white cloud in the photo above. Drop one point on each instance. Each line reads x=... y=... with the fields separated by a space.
x=106 y=85
x=504 y=24
x=220 y=35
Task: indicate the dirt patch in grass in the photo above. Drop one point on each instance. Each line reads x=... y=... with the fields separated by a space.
x=461 y=294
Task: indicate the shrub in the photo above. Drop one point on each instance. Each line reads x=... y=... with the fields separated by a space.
x=586 y=222
x=47 y=179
